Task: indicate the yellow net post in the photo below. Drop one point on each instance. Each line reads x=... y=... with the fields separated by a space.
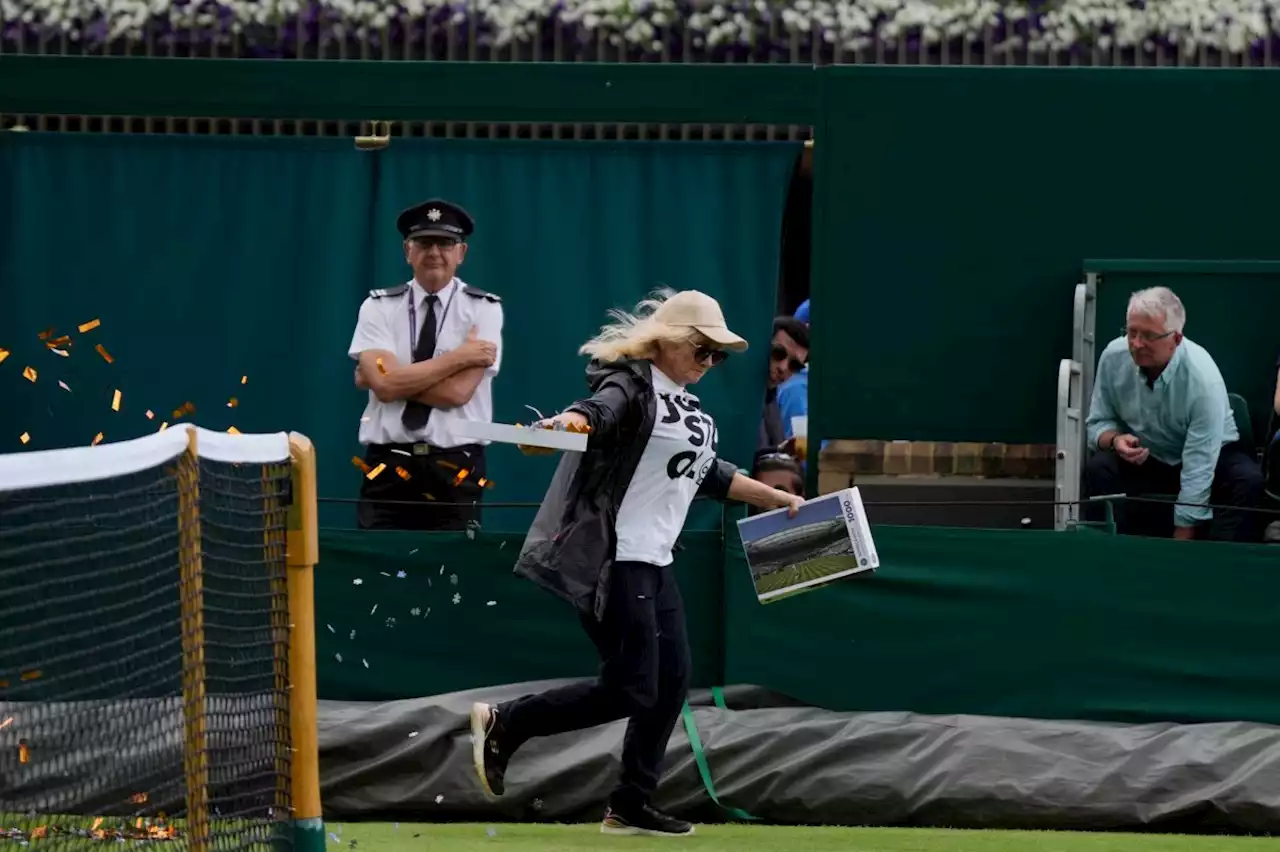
x=195 y=753
x=303 y=552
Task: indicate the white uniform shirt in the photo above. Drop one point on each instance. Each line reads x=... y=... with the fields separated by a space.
x=384 y=323
x=676 y=459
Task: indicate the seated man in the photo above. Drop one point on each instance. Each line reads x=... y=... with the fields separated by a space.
x=1160 y=423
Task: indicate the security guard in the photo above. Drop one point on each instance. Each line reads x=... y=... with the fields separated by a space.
x=427 y=352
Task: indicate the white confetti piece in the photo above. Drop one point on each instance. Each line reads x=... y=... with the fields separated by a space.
x=411 y=552
x=338 y=657
x=353 y=635
x=375 y=609
x=439 y=799
x=453 y=579
x=535 y=411
x=366 y=662
x=63 y=385
x=400 y=575
x=402 y=452
x=330 y=626
x=357 y=581
x=491 y=831
x=384 y=573
x=457 y=598
x=441 y=574
x=428 y=612
x=492 y=603
x=501 y=544
x=416 y=611
x=391 y=622
x=428 y=582
x=412 y=734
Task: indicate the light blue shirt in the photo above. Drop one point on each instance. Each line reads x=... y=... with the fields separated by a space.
x=793 y=399
x=1184 y=418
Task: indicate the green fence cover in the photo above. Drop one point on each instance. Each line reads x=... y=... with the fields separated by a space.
x=209 y=259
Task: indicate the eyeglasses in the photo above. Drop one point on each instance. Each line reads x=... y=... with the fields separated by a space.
x=704 y=352
x=435 y=242
x=1144 y=336
x=779 y=353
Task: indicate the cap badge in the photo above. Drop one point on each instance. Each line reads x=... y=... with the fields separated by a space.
x=433 y=214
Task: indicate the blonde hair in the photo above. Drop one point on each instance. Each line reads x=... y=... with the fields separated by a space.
x=636 y=333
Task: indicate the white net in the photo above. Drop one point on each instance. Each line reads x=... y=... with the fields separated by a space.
x=120 y=710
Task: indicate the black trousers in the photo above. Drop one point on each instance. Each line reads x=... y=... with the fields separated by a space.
x=1237 y=481
x=428 y=490
x=644 y=675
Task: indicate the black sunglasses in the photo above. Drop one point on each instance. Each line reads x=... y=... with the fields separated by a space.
x=779 y=353
x=703 y=352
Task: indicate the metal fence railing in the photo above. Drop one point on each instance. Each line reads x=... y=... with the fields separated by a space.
x=971 y=32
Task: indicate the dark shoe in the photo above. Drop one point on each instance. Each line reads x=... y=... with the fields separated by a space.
x=488 y=748
x=643 y=820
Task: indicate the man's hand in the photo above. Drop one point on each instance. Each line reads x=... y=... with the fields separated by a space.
x=1184 y=533
x=477 y=353
x=1129 y=448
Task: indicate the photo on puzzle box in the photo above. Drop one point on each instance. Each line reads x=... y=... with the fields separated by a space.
x=827 y=540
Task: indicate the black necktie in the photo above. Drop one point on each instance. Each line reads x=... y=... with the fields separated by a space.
x=415 y=413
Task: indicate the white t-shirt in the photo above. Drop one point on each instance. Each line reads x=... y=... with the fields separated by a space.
x=384 y=324
x=676 y=459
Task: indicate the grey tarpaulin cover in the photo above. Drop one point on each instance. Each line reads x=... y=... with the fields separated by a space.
x=785 y=763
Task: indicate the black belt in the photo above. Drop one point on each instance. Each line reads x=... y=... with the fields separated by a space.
x=422 y=448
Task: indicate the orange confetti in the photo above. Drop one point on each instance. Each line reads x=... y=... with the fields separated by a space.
x=185 y=408
x=138 y=798
x=97 y=439
x=404 y=474
x=115 y=401
x=24 y=437
x=163 y=426
x=359 y=462
x=150 y=415
x=106 y=356
x=46 y=334
x=231 y=430
x=485 y=483
x=90 y=325
x=97 y=822
x=31 y=675
x=244 y=380
x=377 y=470
x=449 y=465
x=428 y=496
x=381 y=369
x=64 y=340
x=39 y=831
x=29 y=373
x=462 y=474
x=233 y=402
x=137 y=823
x=4 y=353
x=6 y=723
x=23 y=754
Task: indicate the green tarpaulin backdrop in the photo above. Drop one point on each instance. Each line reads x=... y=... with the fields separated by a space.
x=209 y=259
x=1032 y=624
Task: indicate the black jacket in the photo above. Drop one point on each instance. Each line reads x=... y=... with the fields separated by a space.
x=569 y=550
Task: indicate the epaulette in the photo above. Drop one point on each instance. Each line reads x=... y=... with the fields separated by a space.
x=388 y=291
x=477 y=293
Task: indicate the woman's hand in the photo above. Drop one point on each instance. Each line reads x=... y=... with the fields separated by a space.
x=747 y=490
x=570 y=421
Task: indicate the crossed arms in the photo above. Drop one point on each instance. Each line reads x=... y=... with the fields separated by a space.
x=445 y=381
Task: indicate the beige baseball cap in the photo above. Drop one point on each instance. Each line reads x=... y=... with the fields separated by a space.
x=691 y=309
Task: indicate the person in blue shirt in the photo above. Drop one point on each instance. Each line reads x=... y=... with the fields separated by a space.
x=1160 y=423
